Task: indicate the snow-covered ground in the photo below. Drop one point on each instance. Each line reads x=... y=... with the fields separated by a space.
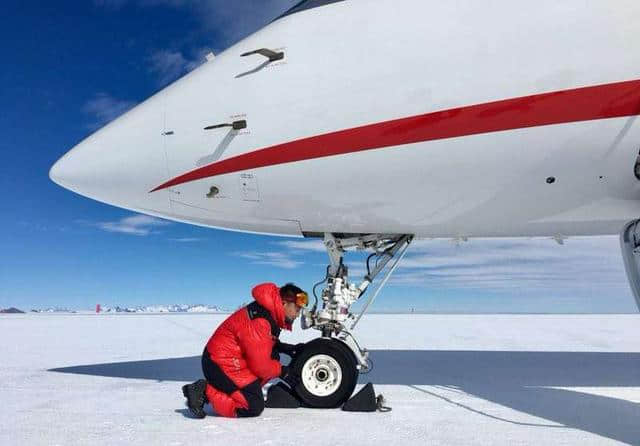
x=451 y=380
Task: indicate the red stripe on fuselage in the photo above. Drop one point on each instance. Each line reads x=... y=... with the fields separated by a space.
x=580 y=104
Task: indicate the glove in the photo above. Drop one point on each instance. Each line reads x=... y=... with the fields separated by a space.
x=289 y=377
x=298 y=349
x=290 y=349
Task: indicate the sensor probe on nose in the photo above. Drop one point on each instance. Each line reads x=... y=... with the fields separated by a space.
x=236 y=125
x=269 y=54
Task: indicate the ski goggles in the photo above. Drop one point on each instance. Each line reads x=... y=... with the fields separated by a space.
x=300 y=299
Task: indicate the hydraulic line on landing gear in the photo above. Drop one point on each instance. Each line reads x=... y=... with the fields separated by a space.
x=338 y=294
x=380 y=286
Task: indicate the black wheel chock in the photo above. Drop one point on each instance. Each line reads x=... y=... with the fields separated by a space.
x=279 y=397
x=366 y=401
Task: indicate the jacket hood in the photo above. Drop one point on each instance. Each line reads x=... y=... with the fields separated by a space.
x=268 y=295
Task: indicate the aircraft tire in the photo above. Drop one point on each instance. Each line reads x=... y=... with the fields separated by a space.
x=327 y=371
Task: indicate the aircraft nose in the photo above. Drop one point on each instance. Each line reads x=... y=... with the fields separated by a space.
x=119 y=163
x=95 y=168
x=76 y=172
x=57 y=172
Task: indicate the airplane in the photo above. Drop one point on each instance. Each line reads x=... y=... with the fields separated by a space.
x=369 y=123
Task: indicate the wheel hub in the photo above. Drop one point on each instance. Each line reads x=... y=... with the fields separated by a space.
x=321 y=375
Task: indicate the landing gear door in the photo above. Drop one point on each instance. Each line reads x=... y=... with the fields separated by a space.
x=249 y=187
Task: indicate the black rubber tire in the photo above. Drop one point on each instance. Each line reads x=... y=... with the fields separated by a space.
x=343 y=355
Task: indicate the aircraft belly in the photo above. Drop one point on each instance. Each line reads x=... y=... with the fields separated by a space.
x=235 y=222
x=496 y=184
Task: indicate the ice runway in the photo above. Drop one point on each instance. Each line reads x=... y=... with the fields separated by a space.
x=451 y=380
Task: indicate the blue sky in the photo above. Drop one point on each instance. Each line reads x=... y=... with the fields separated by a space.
x=70 y=67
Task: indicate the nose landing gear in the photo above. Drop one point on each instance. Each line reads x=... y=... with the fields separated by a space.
x=329 y=366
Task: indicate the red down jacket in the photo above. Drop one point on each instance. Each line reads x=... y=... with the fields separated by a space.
x=242 y=346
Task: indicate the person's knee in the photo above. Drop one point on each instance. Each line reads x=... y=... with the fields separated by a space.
x=250 y=412
x=256 y=407
x=255 y=404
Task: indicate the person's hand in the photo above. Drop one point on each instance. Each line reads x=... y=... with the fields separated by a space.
x=297 y=349
x=290 y=349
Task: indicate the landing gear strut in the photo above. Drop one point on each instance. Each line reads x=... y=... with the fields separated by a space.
x=329 y=366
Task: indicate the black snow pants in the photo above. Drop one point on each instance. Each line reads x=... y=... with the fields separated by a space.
x=216 y=377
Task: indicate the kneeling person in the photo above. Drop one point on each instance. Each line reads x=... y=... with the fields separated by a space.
x=242 y=355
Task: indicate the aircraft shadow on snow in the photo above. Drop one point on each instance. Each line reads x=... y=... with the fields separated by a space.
x=519 y=380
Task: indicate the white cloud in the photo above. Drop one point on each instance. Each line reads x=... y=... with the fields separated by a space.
x=230 y=21
x=186 y=239
x=235 y=20
x=585 y=270
x=140 y=225
x=225 y=22
x=104 y=108
x=507 y=264
x=286 y=254
x=169 y=65
x=586 y=265
x=277 y=259
x=496 y=263
x=300 y=245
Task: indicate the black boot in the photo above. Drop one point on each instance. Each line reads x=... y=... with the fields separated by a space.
x=194 y=393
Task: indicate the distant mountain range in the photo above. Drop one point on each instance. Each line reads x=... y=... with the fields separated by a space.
x=53 y=310
x=174 y=308
x=165 y=309
x=12 y=310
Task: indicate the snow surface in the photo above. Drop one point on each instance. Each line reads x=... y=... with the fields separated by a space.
x=451 y=379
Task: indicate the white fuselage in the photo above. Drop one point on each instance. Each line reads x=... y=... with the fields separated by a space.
x=358 y=63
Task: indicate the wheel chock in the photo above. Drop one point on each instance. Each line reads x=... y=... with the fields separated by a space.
x=279 y=397
x=363 y=401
